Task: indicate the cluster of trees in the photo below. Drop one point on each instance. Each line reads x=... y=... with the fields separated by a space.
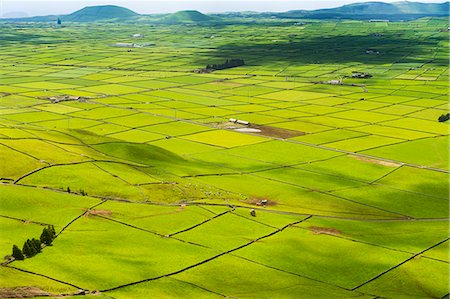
x=229 y=63
x=82 y=192
x=444 y=117
x=32 y=247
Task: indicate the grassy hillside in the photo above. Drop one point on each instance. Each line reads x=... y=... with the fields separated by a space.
x=96 y=13
x=187 y=16
x=338 y=187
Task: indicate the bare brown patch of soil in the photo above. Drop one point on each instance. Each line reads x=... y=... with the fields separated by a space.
x=262 y=201
x=22 y=292
x=263 y=130
x=375 y=161
x=99 y=212
x=317 y=230
x=276 y=132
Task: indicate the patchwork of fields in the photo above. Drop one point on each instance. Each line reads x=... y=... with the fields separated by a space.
x=132 y=157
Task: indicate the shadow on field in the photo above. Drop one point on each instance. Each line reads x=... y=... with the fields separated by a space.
x=27 y=38
x=332 y=50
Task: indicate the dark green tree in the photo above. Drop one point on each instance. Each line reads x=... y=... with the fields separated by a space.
x=37 y=245
x=46 y=237
x=51 y=230
x=17 y=253
x=27 y=250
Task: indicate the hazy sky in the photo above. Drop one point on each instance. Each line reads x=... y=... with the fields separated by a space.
x=47 y=7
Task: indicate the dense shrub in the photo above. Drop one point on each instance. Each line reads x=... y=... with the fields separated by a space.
x=444 y=117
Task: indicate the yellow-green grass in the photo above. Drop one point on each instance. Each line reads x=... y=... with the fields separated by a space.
x=352 y=168
x=365 y=116
x=287 y=197
x=131 y=174
x=388 y=131
x=439 y=252
x=282 y=152
x=328 y=136
x=431 y=152
x=101 y=113
x=418 y=278
x=367 y=105
x=85 y=177
x=408 y=235
x=189 y=79
x=431 y=183
x=16 y=232
x=93 y=251
x=209 y=111
x=397 y=109
x=164 y=220
x=138 y=120
x=113 y=89
x=167 y=287
x=15 y=164
x=46 y=85
x=226 y=232
x=309 y=179
x=224 y=138
x=317 y=109
x=293 y=95
x=333 y=121
x=230 y=162
x=286 y=113
x=176 y=128
x=302 y=126
x=245 y=279
x=12 y=278
x=136 y=135
x=33 y=116
x=45 y=151
x=68 y=123
x=58 y=108
x=323 y=257
x=420 y=125
x=184 y=147
x=394 y=200
x=106 y=129
x=363 y=143
x=150 y=84
x=43 y=205
x=250 y=90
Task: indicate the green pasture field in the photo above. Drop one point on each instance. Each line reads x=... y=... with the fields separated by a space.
x=331 y=190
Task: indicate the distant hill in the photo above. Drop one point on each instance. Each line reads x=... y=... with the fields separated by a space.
x=187 y=16
x=404 y=7
x=419 y=8
x=367 y=10
x=359 y=11
x=98 y=13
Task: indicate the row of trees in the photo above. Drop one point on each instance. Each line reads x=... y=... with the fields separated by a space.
x=32 y=247
x=229 y=63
